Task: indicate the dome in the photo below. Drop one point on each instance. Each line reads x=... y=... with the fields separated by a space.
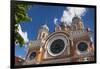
x=45 y=27
x=76 y=18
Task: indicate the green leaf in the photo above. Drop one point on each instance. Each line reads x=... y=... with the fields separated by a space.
x=20 y=17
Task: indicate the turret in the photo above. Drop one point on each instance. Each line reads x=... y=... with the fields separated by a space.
x=43 y=33
x=77 y=23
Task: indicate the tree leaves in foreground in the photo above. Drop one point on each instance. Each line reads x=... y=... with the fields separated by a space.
x=20 y=17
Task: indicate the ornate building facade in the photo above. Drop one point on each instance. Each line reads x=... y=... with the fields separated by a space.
x=68 y=43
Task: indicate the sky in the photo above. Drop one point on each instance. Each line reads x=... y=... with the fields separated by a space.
x=41 y=15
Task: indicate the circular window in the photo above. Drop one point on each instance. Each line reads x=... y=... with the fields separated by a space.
x=32 y=55
x=82 y=46
x=57 y=46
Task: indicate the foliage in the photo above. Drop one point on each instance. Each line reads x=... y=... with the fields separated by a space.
x=20 y=17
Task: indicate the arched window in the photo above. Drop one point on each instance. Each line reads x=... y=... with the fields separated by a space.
x=32 y=55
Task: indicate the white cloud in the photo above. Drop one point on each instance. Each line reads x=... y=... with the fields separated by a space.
x=91 y=38
x=23 y=34
x=26 y=47
x=55 y=20
x=21 y=57
x=70 y=12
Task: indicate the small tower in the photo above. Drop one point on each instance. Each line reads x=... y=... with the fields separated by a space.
x=43 y=33
x=77 y=23
x=57 y=27
x=64 y=26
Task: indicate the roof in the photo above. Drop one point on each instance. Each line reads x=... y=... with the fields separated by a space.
x=36 y=43
x=18 y=60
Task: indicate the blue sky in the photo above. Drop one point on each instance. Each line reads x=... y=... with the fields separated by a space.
x=45 y=15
